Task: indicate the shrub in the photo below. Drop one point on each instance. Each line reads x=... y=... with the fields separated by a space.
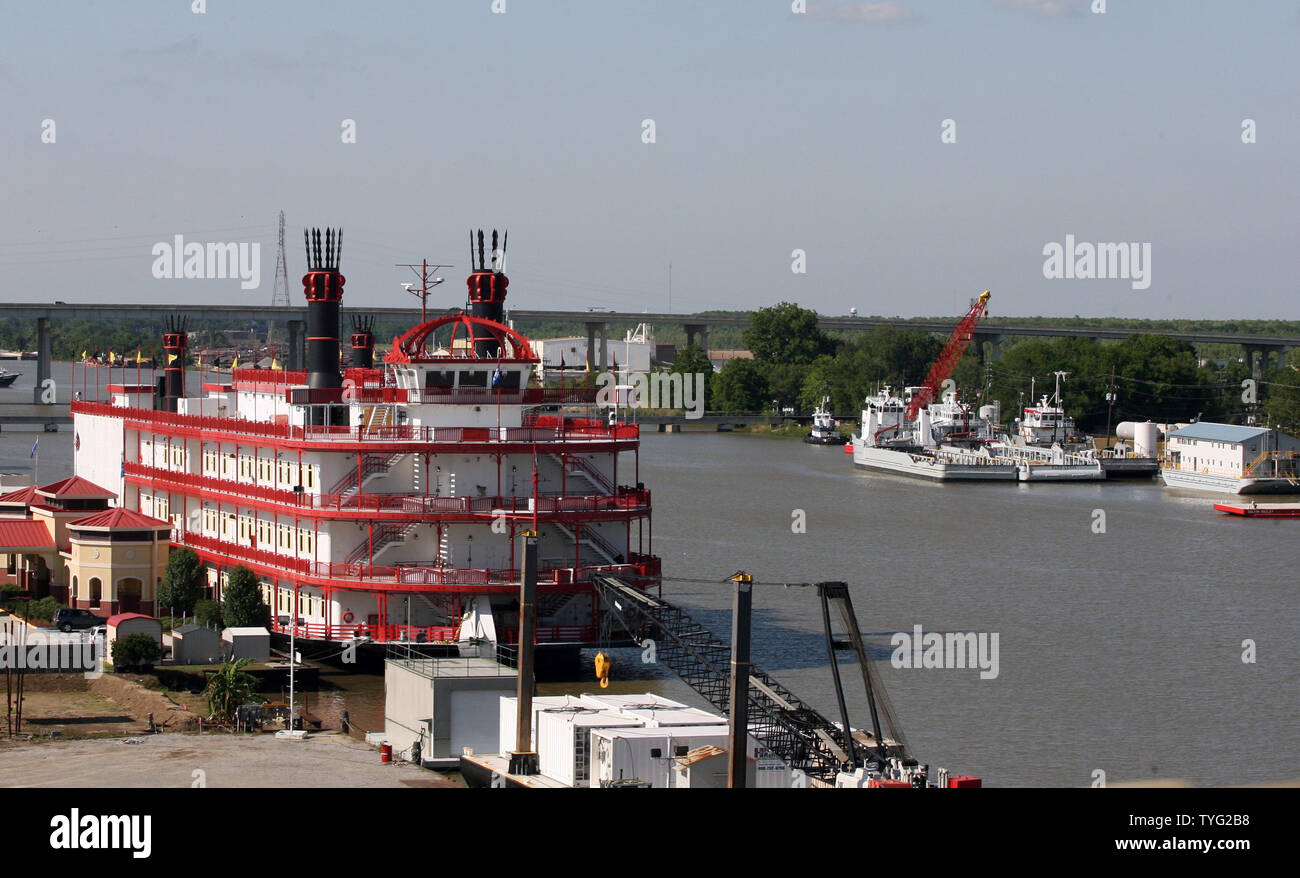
x=229 y=687
x=43 y=610
x=134 y=652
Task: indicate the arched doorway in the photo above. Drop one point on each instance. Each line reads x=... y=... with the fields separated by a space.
x=128 y=595
x=96 y=592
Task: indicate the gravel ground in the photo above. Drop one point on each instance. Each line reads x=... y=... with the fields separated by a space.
x=171 y=760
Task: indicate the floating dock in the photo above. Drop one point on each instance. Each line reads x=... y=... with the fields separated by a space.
x=1260 y=510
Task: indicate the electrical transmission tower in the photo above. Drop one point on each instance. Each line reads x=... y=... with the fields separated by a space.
x=280 y=292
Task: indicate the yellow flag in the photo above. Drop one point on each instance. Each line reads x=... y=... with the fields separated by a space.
x=112 y=358
x=234 y=365
x=138 y=358
x=275 y=363
x=85 y=355
x=200 y=364
x=171 y=358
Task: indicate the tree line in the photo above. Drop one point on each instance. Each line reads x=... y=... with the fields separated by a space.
x=1153 y=377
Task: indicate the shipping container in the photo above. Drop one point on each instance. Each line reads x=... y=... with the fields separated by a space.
x=675 y=716
x=624 y=702
x=646 y=754
x=564 y=740
x=509 y=712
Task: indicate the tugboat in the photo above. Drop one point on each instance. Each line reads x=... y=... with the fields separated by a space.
x=823 y=426
x=1048 y=447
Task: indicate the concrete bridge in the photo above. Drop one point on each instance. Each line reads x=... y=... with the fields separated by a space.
x=988 y=339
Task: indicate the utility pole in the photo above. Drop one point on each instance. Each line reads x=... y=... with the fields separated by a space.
x=523 y=760
x=1111 y=396
x=740 y=671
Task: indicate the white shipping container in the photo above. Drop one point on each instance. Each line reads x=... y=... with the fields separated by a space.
x=624 y=702
x=676 y=716
x=564 y=740
x=509 y=712
x=646 y=754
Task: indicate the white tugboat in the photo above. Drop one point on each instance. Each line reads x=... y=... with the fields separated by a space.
x=1048 y=447
x=916 y=437
x=889 y=442
x=824 y=430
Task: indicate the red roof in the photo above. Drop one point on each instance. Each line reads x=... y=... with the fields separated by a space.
x=22 y=495
x=119 y=517
x=25 y=534
x=114 y=621
x=74 y=486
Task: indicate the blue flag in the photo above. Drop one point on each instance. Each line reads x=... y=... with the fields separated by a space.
x=496 y=378
x=34 y=444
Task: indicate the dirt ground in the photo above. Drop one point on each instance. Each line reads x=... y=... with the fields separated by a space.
x=71 y=706
x=215 y=759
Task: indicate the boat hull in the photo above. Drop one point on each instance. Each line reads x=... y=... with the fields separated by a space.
x=888 y=460
x=1053 y=472
x=1227 y=484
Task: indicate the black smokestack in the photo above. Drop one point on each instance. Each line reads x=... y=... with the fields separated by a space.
x=487 y=290
x=323 y=286
x=363 y=342
x=174 y=341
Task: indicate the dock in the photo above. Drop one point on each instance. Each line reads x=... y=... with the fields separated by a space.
x=47 y=417
x=486 y=770
x=1129 y=467
x=1260 y=510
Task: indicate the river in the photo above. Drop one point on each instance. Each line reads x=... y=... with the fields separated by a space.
x=1118 y=651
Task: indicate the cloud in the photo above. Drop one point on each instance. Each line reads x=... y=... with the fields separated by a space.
x=1042 y=7
x=874 y=13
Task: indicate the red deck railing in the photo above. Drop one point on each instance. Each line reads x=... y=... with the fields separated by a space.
x=405 y=575
x=627 y=499
x=541 y=429
x=389 y=633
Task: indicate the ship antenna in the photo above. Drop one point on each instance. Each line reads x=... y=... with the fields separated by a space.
x=504 y=238
x=481 y=261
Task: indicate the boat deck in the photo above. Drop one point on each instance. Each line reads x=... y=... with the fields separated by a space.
x=1260 y=510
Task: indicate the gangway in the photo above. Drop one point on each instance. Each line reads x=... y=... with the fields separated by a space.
x=778 y=719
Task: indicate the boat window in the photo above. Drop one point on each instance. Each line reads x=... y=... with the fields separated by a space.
x=474 y=378
x=439 y=379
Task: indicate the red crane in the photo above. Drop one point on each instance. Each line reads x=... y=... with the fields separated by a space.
x=948 y=357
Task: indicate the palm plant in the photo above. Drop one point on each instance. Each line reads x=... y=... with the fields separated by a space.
x=229 y=688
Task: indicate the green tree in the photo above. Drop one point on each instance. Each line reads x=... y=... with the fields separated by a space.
x=183 y=582
x=242 y=605
x=784 y=382
x=1281 y=402
x=786 y=333
x=134 y=652
x=740 y=387
x=208 y=614
x=229 y=687
x=691 y=360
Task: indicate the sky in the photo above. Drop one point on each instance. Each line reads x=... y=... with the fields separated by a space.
x=774 y=131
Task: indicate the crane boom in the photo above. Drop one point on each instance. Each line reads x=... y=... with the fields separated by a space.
x=948 y=357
